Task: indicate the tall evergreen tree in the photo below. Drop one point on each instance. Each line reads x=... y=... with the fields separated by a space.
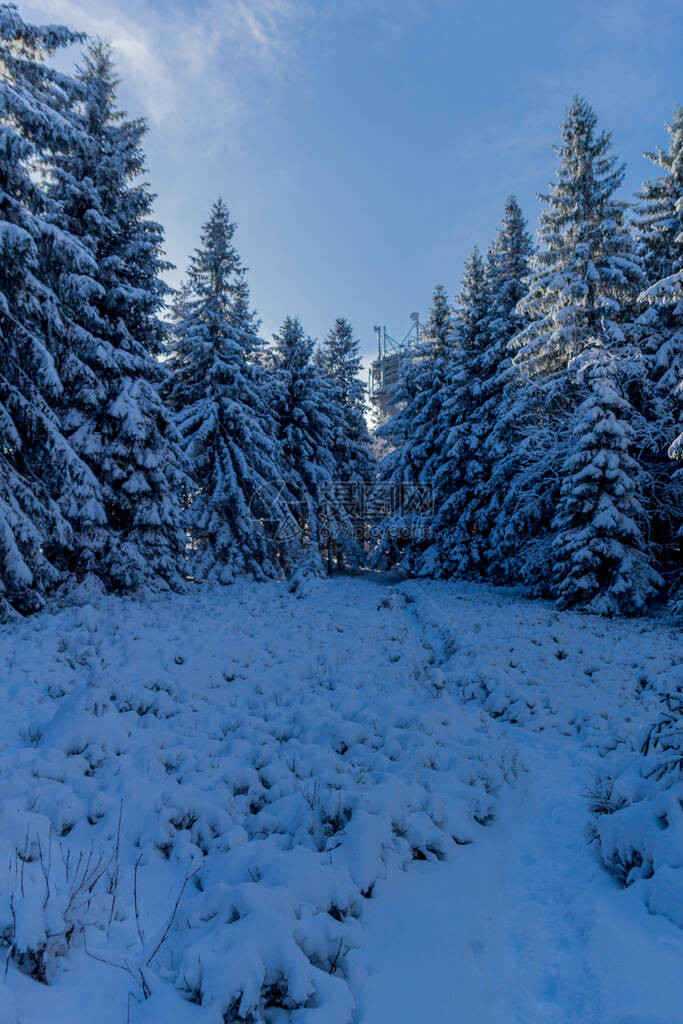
x=36 y=462
x=508 y=265
x=454 y=468
x=586 y=271
x=311 y=422
x=339 y=358
x=469 y=511
x=238 y=517
x=601 y=558
x=660 y=227
x=406 y=472
x=582 y=291
x=110 y=407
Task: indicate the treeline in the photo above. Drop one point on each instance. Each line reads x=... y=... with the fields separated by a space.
x=149 y=438
x=138 y=452
x=543 y=411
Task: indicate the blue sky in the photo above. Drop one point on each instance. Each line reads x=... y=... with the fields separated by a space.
x=364 y=147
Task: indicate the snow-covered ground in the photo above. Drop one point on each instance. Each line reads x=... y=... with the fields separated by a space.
x=207 y=803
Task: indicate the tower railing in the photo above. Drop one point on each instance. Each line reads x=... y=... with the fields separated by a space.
x=385 y=371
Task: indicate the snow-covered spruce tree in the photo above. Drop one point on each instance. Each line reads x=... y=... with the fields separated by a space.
x=585 y=277
x=406 y=472
x=660 y=229
x=310 y=423
x=469 y=510
x=338 y=356
x=660 y=234
x=110 y=407
x=37 y=464
x=237 y=519
x=455 y=470
x=676 y=583
x=601 y=557
x=339 y=359
x=507 y=268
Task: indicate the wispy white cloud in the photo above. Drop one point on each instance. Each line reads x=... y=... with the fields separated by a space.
x=198 y=56
x=185 y=55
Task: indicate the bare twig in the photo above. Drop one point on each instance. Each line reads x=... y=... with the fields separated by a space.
x=114 y=880
x=110 y=963
x=171 y=919
x=333 y=965
x=135 y=901
x=46 y=873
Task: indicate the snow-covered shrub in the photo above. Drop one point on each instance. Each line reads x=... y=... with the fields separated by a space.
x=51 y=895
x=638 y=814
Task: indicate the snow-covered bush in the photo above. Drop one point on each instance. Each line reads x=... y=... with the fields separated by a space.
x=51 y=896
x=638 y=813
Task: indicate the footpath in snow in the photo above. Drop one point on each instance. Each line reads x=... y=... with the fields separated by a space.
x=253 y=769
x=527 y=925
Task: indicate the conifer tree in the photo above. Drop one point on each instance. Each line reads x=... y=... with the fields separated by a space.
x=470 y=510
x=508 y=263
x=601 y=557
x=454 y=469
x=660 y=227
x=406 y=472
x=339 y=359
x=37 y=464
x=238 y=517
x=110 y=407
x=582 y=289
x=310 y=424
x=586 y=271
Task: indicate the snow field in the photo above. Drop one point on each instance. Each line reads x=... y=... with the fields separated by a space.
x=199 y=793
x=207 y=801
